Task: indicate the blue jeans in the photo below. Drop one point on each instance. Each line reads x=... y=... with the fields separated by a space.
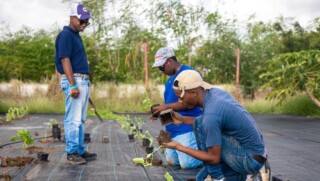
x=180 y=158
x=235 y=163
x=75 y=114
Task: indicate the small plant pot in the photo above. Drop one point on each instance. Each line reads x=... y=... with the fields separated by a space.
x=131 y=137
x=134 y=132
x=149 y=149
x=146 y=142
x=55 y=126
x=42 y=156
x=166 y=117
x=87 y=138
x=105 y=139
x=56 y=133
x=164 y=137
x=140 y=130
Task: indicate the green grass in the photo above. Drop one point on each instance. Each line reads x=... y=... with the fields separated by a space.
x=133 y=102
x=298 y=105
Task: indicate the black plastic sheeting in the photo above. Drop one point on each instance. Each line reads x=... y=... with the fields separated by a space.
x=286 y=137
x=114 y=161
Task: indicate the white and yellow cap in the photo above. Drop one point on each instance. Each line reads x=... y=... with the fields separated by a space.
x=189 y=79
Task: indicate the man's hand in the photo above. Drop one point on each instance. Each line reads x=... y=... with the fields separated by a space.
x=155 y=111
x=74 y=92
x=177 y=118
x=158 y=109
x=171 y=144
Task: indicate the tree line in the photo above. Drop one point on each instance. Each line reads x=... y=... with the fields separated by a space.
x=204 y=40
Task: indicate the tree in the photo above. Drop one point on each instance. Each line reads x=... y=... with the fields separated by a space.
x=290 y=73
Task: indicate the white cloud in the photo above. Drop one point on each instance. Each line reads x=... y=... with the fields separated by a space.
x=45 y=13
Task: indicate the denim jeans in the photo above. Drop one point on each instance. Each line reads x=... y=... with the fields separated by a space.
x=235 y=163
x=180 y=158
x=75 y=114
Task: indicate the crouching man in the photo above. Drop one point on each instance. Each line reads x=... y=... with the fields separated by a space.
x=230 y=143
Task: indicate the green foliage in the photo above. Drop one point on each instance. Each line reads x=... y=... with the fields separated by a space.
x=291 y=73
x=168 y=177
x=16 y=113
x=52 y=122
x=24 y=136
x=146 y=103
x=142 y=162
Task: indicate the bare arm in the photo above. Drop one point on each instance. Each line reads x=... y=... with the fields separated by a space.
x=176 y=106
x=212 y=156
x=69 y=73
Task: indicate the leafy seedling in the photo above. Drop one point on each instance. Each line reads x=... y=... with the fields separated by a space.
x=168 y=177
x=24 y=136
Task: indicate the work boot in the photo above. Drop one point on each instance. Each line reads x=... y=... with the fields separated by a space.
x=89 y=156
x=75 y=159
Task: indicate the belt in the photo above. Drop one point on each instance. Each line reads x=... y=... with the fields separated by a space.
x=86 y=76
x=259 y=158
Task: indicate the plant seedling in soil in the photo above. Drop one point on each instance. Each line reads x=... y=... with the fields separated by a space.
x=53 y=122
x=164 y=137
x=24 y=136
x=166 y=117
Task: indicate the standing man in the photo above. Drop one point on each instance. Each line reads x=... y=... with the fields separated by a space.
x=72 y=63
x=167 y=63
x=230 y=143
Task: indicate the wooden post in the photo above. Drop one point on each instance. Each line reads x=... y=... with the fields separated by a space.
x=145 y=50
x=237 y=73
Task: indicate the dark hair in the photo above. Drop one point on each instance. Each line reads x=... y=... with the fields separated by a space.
x=176 y=83
x=173 y=58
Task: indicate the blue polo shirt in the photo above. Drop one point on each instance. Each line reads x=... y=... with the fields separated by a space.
x=69 y=44
x=224 y=115
x=170 y=97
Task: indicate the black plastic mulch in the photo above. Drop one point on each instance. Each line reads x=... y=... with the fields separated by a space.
x=293 y=144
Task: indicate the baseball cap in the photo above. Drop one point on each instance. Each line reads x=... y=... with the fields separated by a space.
x=162 y=56
x=189 y=79
x=80 y=11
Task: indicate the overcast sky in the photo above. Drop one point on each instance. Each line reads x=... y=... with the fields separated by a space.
x=50 y=13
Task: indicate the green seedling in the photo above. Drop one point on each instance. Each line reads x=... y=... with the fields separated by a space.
x=168 y=177
x=151 y=155
x=146 y=103
x=142 y=162
x=52 y=122
x=24 y=136
x=10 y=114
x=14 y=112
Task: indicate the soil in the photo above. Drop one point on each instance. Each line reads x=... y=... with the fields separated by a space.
x=45 y=140
x=146 y=142
x=155 y=162
x=36 y=149
x=164 y=137
x=166 y=117
x=5 y=177
x=16 y=161
x=36 y=134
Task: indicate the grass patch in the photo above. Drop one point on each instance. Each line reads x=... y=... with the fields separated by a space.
x=298 y=105
x=110 y=97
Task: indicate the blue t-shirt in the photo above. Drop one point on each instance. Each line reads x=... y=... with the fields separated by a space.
x=170 y=97
x=222 y=114
x=69 y=44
